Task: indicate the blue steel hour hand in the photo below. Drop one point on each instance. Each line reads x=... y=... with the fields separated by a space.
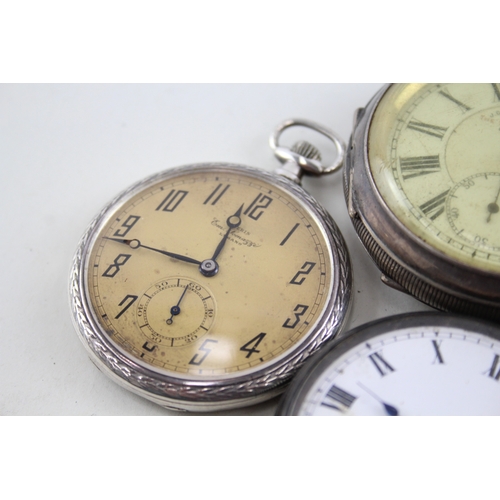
x=389 y=409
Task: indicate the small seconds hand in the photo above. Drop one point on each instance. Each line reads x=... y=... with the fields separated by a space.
x=176 y=310
x=493 y=208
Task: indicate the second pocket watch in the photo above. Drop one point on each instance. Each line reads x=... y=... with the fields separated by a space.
x=206 y=287
x=423 y=191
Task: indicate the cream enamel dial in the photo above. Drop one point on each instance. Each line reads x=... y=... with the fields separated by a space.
x=435 y=156
x=424 y=186
x=208 y=285
x=417 y=364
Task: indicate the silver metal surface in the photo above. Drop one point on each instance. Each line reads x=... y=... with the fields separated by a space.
x=429 y=275
x=296 y=164
x=232 y=391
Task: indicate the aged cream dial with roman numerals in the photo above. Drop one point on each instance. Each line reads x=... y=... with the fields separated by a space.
x=207 y=286
x=423 y=182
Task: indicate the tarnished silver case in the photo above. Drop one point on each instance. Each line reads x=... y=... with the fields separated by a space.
x=232 y=391
x=407 y=262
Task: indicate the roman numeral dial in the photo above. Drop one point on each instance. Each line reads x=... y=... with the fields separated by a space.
x=420 y=364
x=434 y=159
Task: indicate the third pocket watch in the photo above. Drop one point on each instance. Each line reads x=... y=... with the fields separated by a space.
x=430 y=363
x=422 y=185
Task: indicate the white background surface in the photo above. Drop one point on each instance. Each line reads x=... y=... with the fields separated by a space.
x=66 y=150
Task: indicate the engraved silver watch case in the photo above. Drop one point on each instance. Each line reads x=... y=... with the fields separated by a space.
x=235 y=390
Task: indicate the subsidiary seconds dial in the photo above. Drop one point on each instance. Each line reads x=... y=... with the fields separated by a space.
x=472 y=211
x=174 y=312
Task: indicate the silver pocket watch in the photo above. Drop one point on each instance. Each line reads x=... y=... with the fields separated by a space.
x=422 y=184
x=206 y=287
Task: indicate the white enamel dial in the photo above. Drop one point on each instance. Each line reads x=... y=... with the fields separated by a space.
x=414 y=365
